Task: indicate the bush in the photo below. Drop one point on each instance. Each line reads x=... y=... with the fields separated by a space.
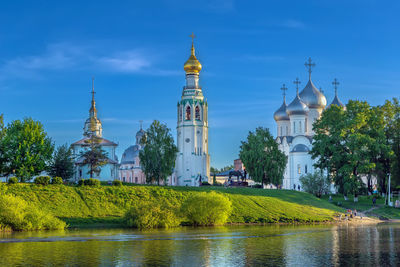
x=81 y=182
x=205 y=183
x=151 y=215
x=92 y=182
x=315 y=183
x=207 y=209
x=57 y=180
x=117 y=183
x=43 y=180
x=13 y=180
x=16 y=214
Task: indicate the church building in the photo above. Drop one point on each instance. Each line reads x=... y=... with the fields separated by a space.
x=193 y=161
x=294 y=128
x=130 y=170
x=93 y=127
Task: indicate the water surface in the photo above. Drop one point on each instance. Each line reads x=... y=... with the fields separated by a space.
x=321 y=245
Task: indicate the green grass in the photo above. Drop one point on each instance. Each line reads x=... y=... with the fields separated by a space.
x=364 y=202
x=106 y=205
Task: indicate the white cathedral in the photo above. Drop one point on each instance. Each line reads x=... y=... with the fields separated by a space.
x=294 y=128
x=192 y=165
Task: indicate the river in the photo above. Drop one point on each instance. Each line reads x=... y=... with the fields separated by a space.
x=272 y=245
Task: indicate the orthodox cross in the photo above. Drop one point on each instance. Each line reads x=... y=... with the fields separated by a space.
x=309 y=65
x=141 y=124
x=320 y=89
x=297 y=82
x=93 y=92
x=335 y=84
x=284 y=88
x=192 y=36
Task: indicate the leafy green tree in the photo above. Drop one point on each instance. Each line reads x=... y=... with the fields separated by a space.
x=26 y=149
x=264 y=162
x=315 y=183
x=62 y=164
x=94 y=156
x=2 y=157
x=159 y=153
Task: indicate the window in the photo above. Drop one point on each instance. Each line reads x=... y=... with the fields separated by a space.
x=298 y=169
x=124 y=180
x=287 y=130
x=188 y=115
x=136 y=180
x=80 y=173
x=294 y=127
x=180 y=113
x=305 y=169
x=281 y=131
x=197 y=110
x=305 y=126
x=300 y=126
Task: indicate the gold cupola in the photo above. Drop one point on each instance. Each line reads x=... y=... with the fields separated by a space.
x=192 y=65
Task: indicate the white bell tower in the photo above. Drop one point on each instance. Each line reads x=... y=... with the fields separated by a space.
x=193 y=161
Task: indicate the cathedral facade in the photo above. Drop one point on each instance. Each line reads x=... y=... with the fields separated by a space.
x=192 y=165
x=294 y=128
x=93 y=128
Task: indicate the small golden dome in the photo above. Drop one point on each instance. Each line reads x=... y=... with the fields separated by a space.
x=192 y=65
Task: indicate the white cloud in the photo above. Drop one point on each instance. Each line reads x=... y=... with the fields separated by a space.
x=294 y=24
x=130 y=62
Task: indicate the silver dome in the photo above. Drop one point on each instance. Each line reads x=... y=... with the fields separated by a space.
x=297 y=107
x=130 y=154
x=336 y=101
x=280 y=114
x=312 y=97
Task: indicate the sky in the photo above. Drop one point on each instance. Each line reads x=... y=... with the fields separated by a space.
x=50 y=50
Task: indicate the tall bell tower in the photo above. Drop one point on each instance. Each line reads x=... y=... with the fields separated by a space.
x=193 y=161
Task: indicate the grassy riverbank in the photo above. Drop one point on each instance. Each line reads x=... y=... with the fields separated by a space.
x=365 y=205
x=105 y=206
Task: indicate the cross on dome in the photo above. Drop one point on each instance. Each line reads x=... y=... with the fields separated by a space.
x=320 y=89
x=192 y=36
x=309 y=65
x=335 y=84
x=141 y=124
x=297 y=82
x=284 y=88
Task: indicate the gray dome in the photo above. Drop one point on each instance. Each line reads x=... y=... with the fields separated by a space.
x=312 y=97
x=280 y=114
x=300 y=148
x=297 y=107
x=130 y=154
x=336 y=101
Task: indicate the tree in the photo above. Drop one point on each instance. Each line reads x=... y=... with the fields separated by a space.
x=159 y=153
x=26 y=149
x=62 y=164
x=315 y=183
x=94 y=156
x=264 y=162
x=2 y=157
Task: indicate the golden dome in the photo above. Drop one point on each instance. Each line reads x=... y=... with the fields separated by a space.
x=192 y=65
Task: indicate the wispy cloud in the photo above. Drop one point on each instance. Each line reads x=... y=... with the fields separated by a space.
x=292 y=23
x=66 y=56
x=261 y=58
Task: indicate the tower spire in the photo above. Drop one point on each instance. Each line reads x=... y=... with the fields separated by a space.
x=93 y=110
x=297 y=82
x=309 y=64
x=335 y=84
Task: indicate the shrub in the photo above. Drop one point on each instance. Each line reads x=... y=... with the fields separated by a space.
x=43 y=180
x=315 y=183
x=205 y=183
x=16 y=214
x=207 y=208
x=92 y=182
x=81 y=182
x=150 y=215
x=12 y=180
x=57 y=180
x=117 y=183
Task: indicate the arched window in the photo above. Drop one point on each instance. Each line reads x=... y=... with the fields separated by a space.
x=180 y=113
x=136 y=180
x=300 y=126
x=294 y=127
x=305 y=169
x=298 y=169
x=188 y=115
x=197 y=113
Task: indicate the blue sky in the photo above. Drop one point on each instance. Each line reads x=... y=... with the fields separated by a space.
x=136 y=49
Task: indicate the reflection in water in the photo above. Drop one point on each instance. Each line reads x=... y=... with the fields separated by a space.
x=321 y=245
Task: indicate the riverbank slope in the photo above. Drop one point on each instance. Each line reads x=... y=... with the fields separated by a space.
x=105 y=206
